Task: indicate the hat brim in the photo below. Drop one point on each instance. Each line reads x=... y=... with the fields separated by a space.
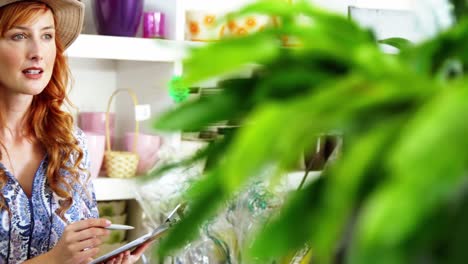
x=69 y=15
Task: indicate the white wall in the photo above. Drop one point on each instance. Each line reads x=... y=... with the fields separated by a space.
x=93 y=81
x=340 y=6
x=215 y=6
x=383 y=4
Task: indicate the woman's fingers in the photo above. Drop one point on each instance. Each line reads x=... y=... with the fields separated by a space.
x=88 y=261
x=85 y=230
x=88 y=223
x=117 y=259
x=128 y=257
x=139 y=250
x=79 y=241
x=88 y=254
x=90 y=233
x=87 y=244
x=120 y=258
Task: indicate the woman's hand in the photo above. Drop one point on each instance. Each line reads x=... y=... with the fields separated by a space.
x=128 y=257
x=79 y=242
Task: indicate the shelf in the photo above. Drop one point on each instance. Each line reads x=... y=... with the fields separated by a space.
x=127 y=48
x=107 y=189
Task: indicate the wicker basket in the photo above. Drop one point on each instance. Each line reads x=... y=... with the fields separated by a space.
x=121 y=164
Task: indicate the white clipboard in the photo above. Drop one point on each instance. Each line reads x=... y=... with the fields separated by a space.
x=172 y=218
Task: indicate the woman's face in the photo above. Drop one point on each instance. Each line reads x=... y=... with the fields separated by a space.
x=27 y=56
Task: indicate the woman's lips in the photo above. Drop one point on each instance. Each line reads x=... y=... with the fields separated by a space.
x=33 y=73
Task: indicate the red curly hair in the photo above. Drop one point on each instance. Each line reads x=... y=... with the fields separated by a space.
x=46 y=122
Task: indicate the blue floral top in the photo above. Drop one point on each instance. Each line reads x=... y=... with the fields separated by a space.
x=34 y=226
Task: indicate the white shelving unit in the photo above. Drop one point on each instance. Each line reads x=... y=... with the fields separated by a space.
x=125 y=48
x=108 y=189
x=102 y=64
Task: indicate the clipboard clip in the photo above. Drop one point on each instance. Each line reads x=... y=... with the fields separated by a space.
x=175 y=215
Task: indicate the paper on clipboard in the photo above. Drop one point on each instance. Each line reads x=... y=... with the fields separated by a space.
x=156 y=233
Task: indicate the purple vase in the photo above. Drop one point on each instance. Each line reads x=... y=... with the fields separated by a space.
x=117 y=17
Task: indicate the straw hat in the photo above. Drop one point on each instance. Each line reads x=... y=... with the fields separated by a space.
x=69 y=15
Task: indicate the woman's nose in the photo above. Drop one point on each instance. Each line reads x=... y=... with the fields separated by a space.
x=35 y=50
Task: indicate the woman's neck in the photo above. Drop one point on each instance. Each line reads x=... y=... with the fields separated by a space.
x=13 y=110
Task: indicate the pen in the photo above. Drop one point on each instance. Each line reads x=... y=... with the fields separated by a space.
x=119 y=227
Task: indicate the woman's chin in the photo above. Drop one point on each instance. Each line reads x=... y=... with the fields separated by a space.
x=35 y=88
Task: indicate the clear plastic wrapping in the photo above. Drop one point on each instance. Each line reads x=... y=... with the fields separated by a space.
x=222 y=239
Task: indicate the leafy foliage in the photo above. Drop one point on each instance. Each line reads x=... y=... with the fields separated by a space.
x=399 y=43
x=399 y=188
x=460 y=8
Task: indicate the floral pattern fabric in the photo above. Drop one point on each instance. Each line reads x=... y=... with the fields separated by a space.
x=33 y=225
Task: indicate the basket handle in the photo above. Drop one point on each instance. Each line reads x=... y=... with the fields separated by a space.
x=137 y=125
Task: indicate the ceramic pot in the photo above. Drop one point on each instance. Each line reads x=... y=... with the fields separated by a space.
x=117 y=17
x=147 y=148
x=246 y=25
x=96 y=143
x=95 y=121
x=201 y=26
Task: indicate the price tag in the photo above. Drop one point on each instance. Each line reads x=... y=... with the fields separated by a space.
x=142 y=112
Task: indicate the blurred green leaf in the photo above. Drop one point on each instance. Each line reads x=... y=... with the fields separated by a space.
x=399 y=43
x=264 y=147
x=460 y=8
x=261 y=47
x=170 y=166
x=198 y=114
x=289 y=83
x=213 y=149
x=458 y=233
x=412 y=178
x=428 y=57
x=344 y=194
x=450 y=69
x=291 y=230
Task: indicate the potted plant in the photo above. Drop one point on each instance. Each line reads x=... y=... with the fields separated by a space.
x=398 y=192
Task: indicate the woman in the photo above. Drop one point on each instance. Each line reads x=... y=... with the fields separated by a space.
x=48 y=210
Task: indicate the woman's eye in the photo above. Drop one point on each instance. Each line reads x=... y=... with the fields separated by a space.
x=48 y=36
x=19 y=36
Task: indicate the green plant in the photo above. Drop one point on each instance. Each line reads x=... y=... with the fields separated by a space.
x=397 y=194
x=460 y=8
